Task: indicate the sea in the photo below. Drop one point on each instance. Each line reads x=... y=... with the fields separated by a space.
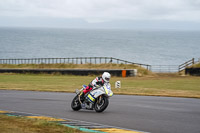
x=153 y=47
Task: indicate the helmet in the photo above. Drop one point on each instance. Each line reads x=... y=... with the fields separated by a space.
x=106 y=76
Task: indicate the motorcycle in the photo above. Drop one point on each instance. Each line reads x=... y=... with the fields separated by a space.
x=96 y=99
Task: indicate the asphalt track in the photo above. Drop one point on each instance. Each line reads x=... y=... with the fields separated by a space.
x=143 y=113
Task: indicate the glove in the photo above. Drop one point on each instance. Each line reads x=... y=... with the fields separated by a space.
x=97 y=86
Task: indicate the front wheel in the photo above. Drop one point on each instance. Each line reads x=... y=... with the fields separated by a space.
x=101 y=103
x=76 y=105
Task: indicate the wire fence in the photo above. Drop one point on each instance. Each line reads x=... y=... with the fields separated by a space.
x=100 y=60
x=164 y=68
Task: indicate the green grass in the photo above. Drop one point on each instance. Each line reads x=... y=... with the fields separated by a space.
x=12 y=124
x=196 y=65
x=170 y=85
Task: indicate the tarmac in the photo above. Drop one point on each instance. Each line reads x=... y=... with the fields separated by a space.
x=124 y=113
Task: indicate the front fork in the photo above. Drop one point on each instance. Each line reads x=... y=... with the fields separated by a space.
x=99 y=99
x=79 y=93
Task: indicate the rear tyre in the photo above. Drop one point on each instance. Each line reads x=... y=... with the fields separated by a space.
x=101 y=104
x=76 y=105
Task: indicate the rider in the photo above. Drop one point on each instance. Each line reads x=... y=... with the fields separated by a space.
x=98 y=81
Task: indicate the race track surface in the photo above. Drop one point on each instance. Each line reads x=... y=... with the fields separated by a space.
x=143 y=113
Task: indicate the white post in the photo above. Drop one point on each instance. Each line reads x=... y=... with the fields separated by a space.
x=118 y=84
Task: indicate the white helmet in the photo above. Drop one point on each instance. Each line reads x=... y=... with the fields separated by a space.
x=106 y=77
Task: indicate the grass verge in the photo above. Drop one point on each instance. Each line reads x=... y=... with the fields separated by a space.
x=195 y=66
x=156 y=85
x=13 y=124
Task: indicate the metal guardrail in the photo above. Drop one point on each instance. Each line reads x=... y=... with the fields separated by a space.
x=164 y=68
x=76 y=60
x=173 y=68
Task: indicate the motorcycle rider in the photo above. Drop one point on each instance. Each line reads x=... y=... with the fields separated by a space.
x=98 y=81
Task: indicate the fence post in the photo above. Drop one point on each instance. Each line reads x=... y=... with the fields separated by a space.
x=149 y=68
x=81 y=61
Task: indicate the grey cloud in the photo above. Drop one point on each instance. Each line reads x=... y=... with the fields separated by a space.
x=104 y=10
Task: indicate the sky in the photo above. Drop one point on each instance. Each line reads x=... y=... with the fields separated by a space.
x=167 y=14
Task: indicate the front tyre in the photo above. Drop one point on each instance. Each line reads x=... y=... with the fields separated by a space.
x=76 y=105
x=101 y=103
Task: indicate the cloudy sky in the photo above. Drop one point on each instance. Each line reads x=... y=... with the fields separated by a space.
x=102 y=13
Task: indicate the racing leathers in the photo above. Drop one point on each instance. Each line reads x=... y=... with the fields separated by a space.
x=98 y=81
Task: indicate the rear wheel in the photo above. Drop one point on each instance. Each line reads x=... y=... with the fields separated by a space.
x=76 y=105
x=101 y=103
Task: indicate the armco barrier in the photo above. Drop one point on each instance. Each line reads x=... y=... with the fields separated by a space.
x=118 y=72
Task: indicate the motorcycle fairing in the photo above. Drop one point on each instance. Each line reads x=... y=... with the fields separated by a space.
x=97 y=92
x=91 y=97
x=93 y=94
x=108 y=90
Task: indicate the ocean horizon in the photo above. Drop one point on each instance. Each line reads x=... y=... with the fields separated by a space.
x=153 y=47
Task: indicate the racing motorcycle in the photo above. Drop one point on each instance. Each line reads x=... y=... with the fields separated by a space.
x=96 y=99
